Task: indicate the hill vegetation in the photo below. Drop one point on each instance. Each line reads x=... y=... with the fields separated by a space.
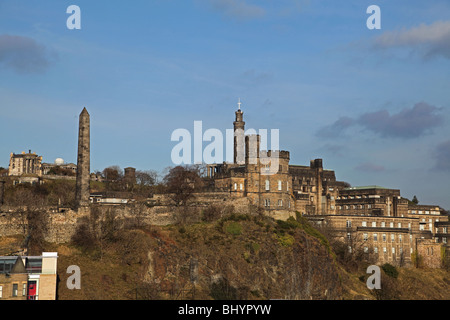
x=232 y=257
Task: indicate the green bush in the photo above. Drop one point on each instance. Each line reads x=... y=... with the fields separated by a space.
x=390 y=270
x=234 y=228
x=285 y=240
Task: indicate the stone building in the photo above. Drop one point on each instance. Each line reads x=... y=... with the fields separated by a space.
x=28 y=277
x=248 y=176
x=371 y=200
x=25 y=164
x=373 y=219
x=59 y=166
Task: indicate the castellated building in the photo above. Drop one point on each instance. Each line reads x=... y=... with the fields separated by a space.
x=375 y=220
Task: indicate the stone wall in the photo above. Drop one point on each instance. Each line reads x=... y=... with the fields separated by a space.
x=62 y=223
x=429 y=253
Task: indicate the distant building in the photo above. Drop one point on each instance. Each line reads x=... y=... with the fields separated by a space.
x=59 y=167
x=109 y=198
x=28 y=277
x=25 y=164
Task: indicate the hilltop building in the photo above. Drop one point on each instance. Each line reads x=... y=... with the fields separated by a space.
x=374 y=219
x=25 y=164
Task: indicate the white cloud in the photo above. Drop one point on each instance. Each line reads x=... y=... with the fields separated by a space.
x=429 y=40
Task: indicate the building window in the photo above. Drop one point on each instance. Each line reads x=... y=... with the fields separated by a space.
x=279 y=185
x=366 y=249
x=444 y=239
x=410 y=237
x=267 y=185
x=1 y=292
x=241 y=186
x=280 y=203
x=365 y=236
x=421 y=227
x=375 y=250
x=349 y=236
x=384 y=250
x=383 y=224
x=393 y=250
x=392 y=237
x=24 y=289
x=15 y=289
x=364 y=224
x=374 y=224
x=391 y=224
x=399 y=225
x=384 y=237
x=369 y=206
x=375 y=237
x=349 y=224
x=399 y=238
x=235 y=186
x=267 y=202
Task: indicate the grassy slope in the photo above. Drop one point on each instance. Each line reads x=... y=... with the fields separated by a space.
x=115 y=271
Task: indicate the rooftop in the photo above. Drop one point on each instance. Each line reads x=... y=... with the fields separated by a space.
x=366 y=188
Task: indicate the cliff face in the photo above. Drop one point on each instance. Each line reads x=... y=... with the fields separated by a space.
x=242 y=258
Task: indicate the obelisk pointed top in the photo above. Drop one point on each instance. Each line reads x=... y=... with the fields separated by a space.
x=84 y=111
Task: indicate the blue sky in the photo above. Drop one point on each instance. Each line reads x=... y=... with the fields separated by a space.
x=374 y=104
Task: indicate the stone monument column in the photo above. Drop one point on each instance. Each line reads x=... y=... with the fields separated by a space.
x=239 y=137
x=82 y=193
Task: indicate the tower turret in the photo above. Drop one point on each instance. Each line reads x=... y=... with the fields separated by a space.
x=239 y=132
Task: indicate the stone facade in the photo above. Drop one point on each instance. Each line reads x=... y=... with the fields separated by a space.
x=25 y=164
x=429 y=253
x=70 y=167
x=28 y=277
x=371 y=200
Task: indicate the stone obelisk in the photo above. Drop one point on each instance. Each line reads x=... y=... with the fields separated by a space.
x=83 y=162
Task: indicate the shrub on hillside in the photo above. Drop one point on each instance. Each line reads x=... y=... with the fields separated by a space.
x=390 y=270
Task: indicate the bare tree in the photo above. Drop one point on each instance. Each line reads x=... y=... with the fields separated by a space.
x=146 y=178
x=181 y=184
x=112 y=173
